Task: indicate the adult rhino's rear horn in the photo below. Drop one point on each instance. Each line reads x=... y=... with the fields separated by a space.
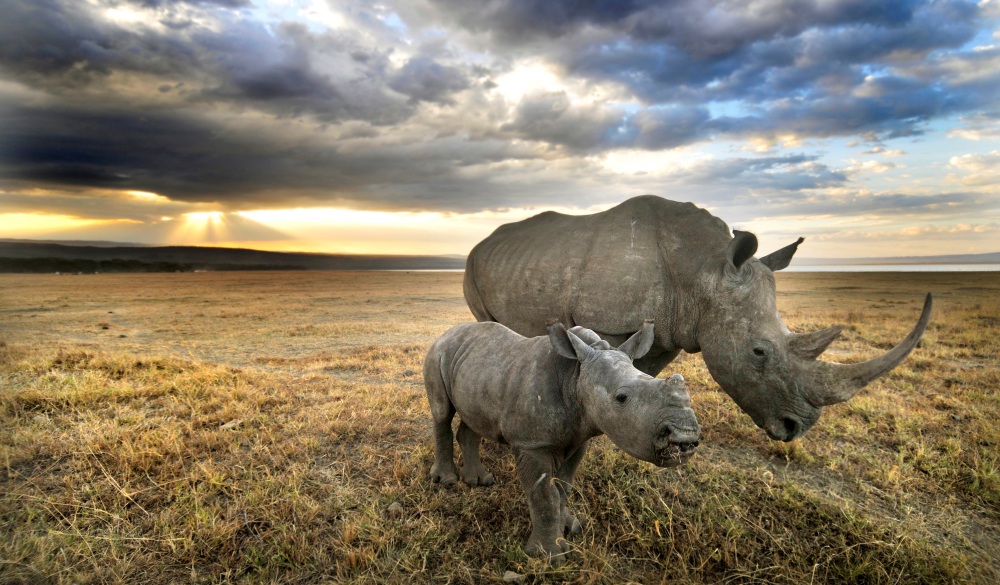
x=809 y=346
x=834 y=383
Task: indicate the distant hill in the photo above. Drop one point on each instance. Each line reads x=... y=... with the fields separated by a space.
x=989 y=258
x=94 y=243
x=15 y=253
x=86 y=256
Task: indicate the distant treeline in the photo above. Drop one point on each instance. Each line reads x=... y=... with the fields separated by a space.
x=74 y=265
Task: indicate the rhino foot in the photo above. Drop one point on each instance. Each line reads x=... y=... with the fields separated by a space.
x=443 y=474
x=476 y=477
x=555 y=549
x=573 y=526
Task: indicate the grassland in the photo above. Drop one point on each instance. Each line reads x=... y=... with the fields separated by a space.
x=272 y=427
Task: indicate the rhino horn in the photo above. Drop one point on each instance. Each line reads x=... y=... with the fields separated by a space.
x=839 y=382
x=779 y=259
x=809 y=346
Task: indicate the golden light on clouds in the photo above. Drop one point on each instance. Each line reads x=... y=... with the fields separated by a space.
x=350 y=231
x=336 y=216
x=33 y=225
x=632 y=162
x=148 y=196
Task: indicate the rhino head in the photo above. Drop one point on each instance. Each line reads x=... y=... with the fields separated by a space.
x=648 y=418
x=773 y=374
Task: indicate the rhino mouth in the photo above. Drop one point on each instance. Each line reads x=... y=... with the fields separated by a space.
x=675 y=454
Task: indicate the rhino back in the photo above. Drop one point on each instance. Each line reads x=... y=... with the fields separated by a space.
x=507 y=387
x=607 y=271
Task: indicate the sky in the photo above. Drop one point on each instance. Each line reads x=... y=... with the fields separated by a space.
x=871 y=128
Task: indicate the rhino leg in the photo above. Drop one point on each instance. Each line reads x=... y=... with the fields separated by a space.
x=566 y=475
x=442 y=411
x=473 y=472
x=653 y=363
x=536 y=470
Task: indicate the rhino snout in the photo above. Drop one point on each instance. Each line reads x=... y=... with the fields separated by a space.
x=676 y=443
x=787 y=428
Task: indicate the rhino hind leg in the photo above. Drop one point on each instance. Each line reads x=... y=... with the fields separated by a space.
x=566 y=475
x=444 y=471
x=442 y=412
x=536 y=470
x=473 y=472
x=653 y=363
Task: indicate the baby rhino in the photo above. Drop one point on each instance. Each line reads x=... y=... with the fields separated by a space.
x=547 y=397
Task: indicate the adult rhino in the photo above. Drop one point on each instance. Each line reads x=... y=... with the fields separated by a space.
x=650 y=257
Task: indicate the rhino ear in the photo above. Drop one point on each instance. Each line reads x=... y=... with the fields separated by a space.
x=636 y=346
x=779 y=259
x=585 y=334
x=741 y=249
x=569 y=345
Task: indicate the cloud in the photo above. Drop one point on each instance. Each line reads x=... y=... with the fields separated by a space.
x=552 y=118
x=979 y=170
x=481 y=105
x=93 y=204
x=979 y=126
x=424 y=79
x=869 y=166
x=210 y=55
x=818 y=69
x=880 y=149
x=964 y=233
x=332 y=77
x=788 y=173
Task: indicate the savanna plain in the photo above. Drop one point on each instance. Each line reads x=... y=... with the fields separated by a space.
x=273 y=427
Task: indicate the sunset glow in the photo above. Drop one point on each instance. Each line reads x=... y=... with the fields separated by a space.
x=199 y=227
x=34 y=225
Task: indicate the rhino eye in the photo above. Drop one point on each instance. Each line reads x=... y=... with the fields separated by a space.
x=762 y=348
x=621 y=397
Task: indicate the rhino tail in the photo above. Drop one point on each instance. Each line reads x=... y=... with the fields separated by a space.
x=470 y=288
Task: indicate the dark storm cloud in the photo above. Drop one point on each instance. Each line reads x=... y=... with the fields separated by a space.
x=423 y=79
x=819 y=67
x=550 y=117
x=513 y=21
x=401 y=105
x=191 y=160
x=279 y=72
x=764 y=54
x=173 y=155
x=287 y=70
x=162 y=3
x=53 y=42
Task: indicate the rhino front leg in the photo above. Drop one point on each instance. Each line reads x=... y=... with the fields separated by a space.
x=536 y=470
x=473 y=472
x=566 y=475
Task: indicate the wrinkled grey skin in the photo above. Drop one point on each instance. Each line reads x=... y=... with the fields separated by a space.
x=547 y=396
x=679 y=264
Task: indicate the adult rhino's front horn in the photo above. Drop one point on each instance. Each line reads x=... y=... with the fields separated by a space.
x=832 y=383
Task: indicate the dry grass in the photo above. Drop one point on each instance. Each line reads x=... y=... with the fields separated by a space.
x=256 y=427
